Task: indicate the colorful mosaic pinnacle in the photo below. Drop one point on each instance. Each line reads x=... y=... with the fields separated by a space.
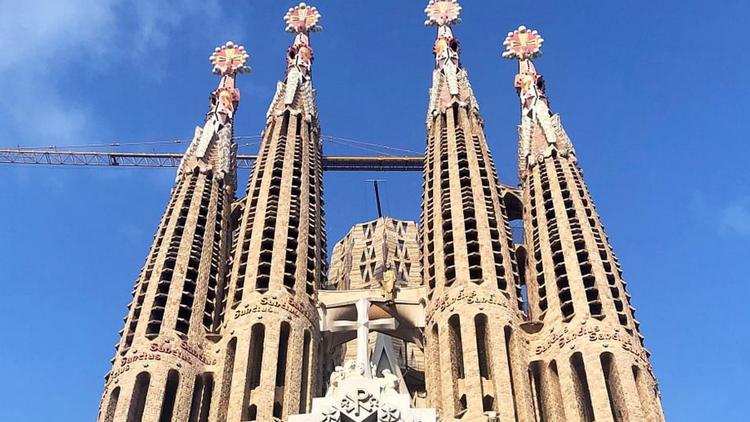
x=442 y=12
x=302 y=18
x=229 y=59
x=522 y=44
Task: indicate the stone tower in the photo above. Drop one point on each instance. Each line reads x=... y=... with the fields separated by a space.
x=161 y=371
x=588 y=362
x=374 y=251
x=279 y=254
x=474 y=348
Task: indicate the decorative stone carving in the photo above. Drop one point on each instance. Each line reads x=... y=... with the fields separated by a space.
x=355 y=397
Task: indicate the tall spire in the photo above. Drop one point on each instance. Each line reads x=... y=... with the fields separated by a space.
x=296 y=92
x=540 y=132
x=575 y=284
x=450 y=83
x=467 y=250
x=227 y=60
x=177 y=301
x=279 y=252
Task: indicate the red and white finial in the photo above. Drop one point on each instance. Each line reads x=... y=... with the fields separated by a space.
x=442 y=12
x=522 y=44
x=302 y=18
x=229 y=59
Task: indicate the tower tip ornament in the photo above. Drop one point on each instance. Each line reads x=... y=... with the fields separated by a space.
x=302 y=18
x=229 y=59
x=442 y=12
x=522 y=44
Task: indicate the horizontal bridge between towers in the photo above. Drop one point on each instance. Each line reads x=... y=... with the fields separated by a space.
x=156 y=160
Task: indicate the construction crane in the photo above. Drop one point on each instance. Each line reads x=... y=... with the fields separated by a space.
x=139 y=159
x=511 y=195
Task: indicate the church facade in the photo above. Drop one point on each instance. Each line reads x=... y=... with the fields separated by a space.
x=236 y=315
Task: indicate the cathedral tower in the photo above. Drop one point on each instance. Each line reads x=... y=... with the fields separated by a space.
x=279 y=254
x=160 y=370
x=589 y=362
x=474 y=346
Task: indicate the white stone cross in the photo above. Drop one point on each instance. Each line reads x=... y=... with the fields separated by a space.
x=363 y=326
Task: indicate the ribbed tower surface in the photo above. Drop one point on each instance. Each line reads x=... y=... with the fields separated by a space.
x=163 y=369
x=279 y=255
x=475 y=310
x=587 y=359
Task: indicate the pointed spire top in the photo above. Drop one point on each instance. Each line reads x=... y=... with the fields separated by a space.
x=522 y=44
x=442 y=12
x=302 y=19
x=229 y=59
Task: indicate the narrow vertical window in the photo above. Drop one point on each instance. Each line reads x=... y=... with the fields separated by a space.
x=208 y=391
x=436 y=367
x=195 y=406
x=480 y=324
x=581 y=385
x=252 y=413
x=305 y=373
x=138 y=398
x=202 y=392
x=170 y=396
x=455 y=344
x=109 y=413
x=254 y=366
x=281 y=358
x=535 y=378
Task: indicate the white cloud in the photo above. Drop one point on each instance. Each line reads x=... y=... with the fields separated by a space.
x=42 y=40
x=735 y=218
x=35 y=32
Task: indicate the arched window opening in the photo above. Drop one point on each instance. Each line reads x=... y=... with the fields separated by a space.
x=537 y=388
x=195 y=403
x=170 y=396
x=455 y=344
x=252 y=413
x=480 y=324
x=306 y=352
x=282 y=355
x=255 y=366
x=488 y=403
x=138 y=398
x=205 y=399
x=581 y=386
x=461 y=407
x=109 y=413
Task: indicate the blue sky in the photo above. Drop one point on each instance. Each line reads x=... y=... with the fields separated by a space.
x=654 y=95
